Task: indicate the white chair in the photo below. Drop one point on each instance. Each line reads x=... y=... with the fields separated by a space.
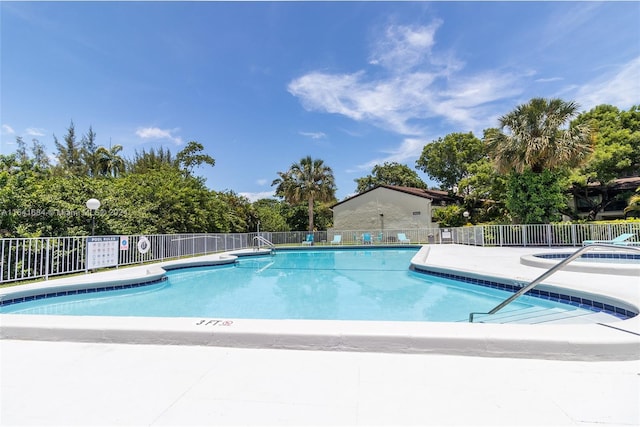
x=337 y=240
x=620 y=240
x=402 y=238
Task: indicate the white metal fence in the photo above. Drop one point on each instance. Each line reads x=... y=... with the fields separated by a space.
x=34 y=258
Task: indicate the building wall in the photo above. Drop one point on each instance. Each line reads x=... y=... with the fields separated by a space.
x=399 y=211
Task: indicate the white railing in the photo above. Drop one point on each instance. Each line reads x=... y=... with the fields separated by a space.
x=557 y=267
x=36 y=258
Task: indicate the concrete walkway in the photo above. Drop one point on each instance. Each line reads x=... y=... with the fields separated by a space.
x=58 y=383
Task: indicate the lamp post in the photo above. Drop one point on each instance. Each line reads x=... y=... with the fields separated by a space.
x=93 y=205
x=465 y=214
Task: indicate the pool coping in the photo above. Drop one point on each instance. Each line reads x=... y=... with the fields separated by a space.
x=619 y=340
x=535 y=260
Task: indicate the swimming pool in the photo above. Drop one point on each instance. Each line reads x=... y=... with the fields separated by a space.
x=591 y=339
x=322 y=284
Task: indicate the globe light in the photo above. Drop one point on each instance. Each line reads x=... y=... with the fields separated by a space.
x=93 y=205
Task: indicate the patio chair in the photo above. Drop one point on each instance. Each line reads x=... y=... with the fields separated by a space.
x=620 y=240
x=337 y=240
x=402 y=238
x=308 y=240
x=380 y=238
x=366 y=239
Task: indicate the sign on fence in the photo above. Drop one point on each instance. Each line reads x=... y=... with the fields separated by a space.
x=102 y=252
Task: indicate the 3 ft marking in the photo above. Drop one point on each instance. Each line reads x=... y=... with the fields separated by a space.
x=213 y=322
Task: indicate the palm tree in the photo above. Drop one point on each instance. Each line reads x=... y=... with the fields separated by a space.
x=536 y=136
x=111 y=164
x=633 y=204
x=309 y=180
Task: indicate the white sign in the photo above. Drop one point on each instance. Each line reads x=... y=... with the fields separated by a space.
x=102 y=252
x=124 y=243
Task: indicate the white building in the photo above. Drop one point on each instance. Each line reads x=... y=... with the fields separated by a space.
x=389 y=207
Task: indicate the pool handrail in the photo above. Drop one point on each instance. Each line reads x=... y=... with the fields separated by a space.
x=549 y=272
x=260 y=239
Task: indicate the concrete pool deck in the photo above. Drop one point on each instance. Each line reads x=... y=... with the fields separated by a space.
x=118 y=383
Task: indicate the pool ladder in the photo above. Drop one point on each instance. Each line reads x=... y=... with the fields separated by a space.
x=549 y=272
x=259 y=239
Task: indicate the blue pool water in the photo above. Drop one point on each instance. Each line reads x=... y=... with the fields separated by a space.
x=598 y=257
x=341 y=284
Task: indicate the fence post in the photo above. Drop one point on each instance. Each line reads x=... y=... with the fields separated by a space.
x=46 y=262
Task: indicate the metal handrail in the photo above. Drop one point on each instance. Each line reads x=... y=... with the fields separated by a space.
x=261 y=239
x=549 y=272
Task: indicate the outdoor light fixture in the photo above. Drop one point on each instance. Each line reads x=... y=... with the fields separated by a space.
x=93 y=205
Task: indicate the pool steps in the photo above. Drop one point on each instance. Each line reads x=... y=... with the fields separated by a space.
x=538 y=315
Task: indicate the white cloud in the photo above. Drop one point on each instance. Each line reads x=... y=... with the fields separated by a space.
x=388 y=104
x=154 y=133
x=409 y=150
x=548 y=79
x=329 y=93
x=35 y=132
x=7 y=130
x=258 y=195
x=404 y=47
x=314 y=135
x=262 y=181
x=620 y=88
x=417 y=84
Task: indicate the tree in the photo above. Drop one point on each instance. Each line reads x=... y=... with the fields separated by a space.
x=616 y=154
x=271 y=214
x=536 y=139
x=309 y=180
x=484 y=192
x=447 y=160
x=21 y=152
x=160 y=200
x=109 y=161
x=535 y=198
x=88 y=152
x=633 y=205
x=40 y=158
x=191 y=156
x=239 y=216
x=449 y=216
x=390 y=174
x=150 y=160
x=15 y=183
x=69 y=155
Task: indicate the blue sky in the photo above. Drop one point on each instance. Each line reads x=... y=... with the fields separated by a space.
x=263 y=84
